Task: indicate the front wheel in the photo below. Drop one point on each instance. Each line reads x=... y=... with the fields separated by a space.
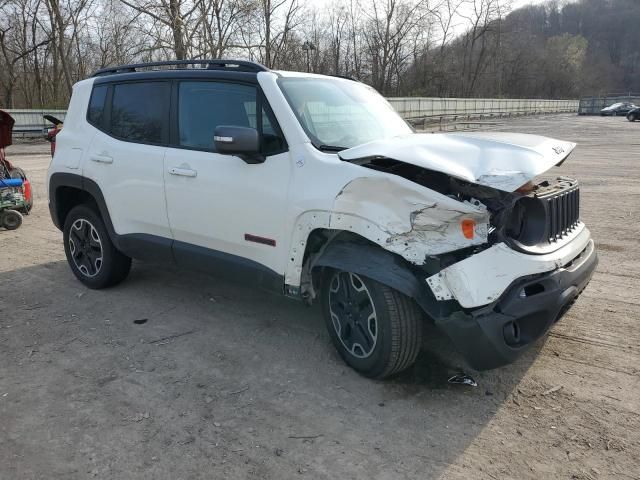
x=376 y=330
x=632 y=117
x=93 y=258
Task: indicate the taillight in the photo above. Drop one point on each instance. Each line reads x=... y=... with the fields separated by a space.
x=26 y=188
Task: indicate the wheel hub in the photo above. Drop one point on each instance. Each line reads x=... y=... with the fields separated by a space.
x=85 y=247
x=353 y=314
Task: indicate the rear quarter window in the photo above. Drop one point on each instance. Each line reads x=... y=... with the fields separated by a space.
x=95 y=111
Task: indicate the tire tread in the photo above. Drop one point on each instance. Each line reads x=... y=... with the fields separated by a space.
x=406 y=331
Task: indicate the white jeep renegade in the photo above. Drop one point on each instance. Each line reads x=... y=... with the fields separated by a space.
x=313 y=187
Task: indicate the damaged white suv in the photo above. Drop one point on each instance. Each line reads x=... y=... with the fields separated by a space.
x=313 y=187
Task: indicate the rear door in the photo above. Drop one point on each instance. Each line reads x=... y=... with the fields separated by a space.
x=224 y=213
x=126 y=160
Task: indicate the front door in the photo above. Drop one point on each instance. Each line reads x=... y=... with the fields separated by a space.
x=225 y=213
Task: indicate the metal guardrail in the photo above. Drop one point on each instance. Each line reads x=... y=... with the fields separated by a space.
x=593 y=105
x=30 y=122
x=414 y=109
x=421 y=107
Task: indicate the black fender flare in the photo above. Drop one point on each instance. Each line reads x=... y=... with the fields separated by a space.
x=382 y=266
x=62 y=179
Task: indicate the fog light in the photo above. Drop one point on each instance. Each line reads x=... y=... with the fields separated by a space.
x=511 y=331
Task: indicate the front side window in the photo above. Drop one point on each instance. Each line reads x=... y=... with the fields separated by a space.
x=95 y=112
x=203 y=106
x=338 y=114
x=140 y=111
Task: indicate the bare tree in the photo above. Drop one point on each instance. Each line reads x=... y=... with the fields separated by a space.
x=388 y=28
x=401 y=47
x=177 y=15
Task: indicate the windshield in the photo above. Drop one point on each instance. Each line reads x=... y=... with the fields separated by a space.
x=339 y=114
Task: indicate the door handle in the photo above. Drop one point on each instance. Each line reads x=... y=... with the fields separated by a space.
x=183 y=172
x=102 y=158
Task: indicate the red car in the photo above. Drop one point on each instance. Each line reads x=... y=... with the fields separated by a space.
x=51 y=133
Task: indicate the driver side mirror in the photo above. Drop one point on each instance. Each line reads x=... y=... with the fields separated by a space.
x=242 y=142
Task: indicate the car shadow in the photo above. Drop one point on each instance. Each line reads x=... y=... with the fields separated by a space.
x=207 y=329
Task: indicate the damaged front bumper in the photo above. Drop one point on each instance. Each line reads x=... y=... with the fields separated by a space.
x=496 y=334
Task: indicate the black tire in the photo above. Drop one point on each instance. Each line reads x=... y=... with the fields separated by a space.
x=10 y=219
x=17 y=172
x=93 y=258
x=398 y=325
x=632 y=117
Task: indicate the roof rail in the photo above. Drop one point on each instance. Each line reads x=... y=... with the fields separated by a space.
x=346 y=77
x=213 y=64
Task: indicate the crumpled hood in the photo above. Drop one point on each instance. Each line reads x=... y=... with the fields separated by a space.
x=504 y=161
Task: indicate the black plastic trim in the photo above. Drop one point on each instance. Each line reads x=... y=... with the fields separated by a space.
x=232 y=267
x=61 y=179
x=142 y=246
x=187 y=74
x=480 y=335
x=211 y=64
x=387 y=268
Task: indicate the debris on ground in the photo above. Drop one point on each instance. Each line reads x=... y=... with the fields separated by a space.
x=551 y=390
x=462 y=379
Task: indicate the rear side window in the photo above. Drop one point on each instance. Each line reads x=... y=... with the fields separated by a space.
x=203 y=106
x=140 y=112
x=95 y=112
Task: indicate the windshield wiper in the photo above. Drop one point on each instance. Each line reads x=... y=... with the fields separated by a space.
x=330 y=148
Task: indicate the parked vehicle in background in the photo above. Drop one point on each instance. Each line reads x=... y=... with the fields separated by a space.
x=52 y=132
x=621 y=108
x=634 y=114
x=314 y=187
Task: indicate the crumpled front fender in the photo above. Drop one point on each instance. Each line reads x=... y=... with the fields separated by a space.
x=406 y=218
x=400 y=216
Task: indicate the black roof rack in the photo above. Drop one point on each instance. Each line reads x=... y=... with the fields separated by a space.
x=214 y=64
x=346 y=77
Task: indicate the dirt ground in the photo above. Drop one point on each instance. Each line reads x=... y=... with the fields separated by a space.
x=176 y=375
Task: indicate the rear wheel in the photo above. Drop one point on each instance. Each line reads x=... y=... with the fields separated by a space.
x=93 y=258
x=376 y=330
x=632 y=117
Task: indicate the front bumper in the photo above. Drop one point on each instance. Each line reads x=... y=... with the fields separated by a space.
x=496 y=334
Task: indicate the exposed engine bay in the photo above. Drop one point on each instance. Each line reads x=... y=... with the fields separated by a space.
x=535 y=218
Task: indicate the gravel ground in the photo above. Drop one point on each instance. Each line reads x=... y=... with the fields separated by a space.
x=176 y=375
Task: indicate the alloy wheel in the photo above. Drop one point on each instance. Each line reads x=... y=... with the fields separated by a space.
x=353 y=314
x=85 y=247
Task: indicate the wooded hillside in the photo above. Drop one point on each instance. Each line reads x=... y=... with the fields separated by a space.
x=402 y=47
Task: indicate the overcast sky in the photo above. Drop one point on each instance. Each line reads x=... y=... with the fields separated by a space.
x=522 y=3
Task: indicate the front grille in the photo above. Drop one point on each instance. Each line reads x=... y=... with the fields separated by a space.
x=541 y=221
x=563 y=213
